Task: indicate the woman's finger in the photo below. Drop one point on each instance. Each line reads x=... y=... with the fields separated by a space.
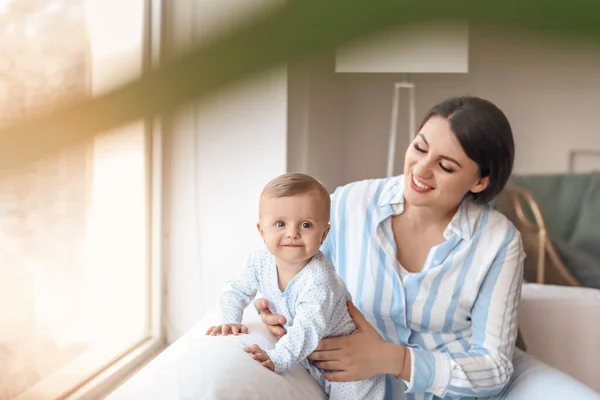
x=325 y=355
x=359 y=320
x=262 y=306
x=341 y=376
x=244 y=329
x=209 y=330
x=235 y=329
x=330 y=365
x=272 y=319
x=328 y=344
x=277 y=330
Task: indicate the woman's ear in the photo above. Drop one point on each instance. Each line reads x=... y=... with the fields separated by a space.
x=480 y=185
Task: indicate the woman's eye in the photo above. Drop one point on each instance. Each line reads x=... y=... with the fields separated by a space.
x=449 y=170
x=306 y=225
x=280 y=224
x=418 y=148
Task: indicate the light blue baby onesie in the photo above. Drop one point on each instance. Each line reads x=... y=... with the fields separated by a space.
x=314 y=305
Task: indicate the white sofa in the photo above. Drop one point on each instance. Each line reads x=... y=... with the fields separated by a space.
x=560 y=325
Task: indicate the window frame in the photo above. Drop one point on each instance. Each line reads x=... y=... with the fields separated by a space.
x=107 y=378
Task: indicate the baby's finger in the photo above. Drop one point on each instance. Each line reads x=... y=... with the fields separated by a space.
x=260 y=356
x=252 y=349
x=269 y=364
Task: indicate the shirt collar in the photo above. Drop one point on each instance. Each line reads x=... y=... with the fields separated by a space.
x=465 y=220
x=462 y=224
x=392 y=193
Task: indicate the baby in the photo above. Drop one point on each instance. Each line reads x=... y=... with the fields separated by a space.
x=297 y=280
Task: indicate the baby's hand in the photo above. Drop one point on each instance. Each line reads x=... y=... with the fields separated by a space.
x=225 y=329
x=259 y=355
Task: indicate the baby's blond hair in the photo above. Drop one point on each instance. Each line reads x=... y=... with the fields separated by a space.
x=295 y=183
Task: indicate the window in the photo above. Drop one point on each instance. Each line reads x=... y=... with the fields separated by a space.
x=80 y=286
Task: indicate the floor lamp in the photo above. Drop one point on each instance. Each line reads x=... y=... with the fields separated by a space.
x=412 y=118
x=418 y=49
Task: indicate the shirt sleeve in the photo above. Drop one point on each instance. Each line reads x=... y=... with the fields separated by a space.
x=485 y=369
x=238 y=293
x=314 y=308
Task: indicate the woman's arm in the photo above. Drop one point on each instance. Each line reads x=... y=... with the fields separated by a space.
x=481 y=371
x=360 y=355
x=486 y=367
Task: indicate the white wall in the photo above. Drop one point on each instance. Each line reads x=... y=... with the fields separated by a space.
x=549 y=89
x=315 y=121
x=218 y=156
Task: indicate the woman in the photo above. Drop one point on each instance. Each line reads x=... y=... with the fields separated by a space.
x=435 y=270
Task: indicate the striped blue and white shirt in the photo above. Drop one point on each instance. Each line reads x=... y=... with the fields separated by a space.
x=458 y=315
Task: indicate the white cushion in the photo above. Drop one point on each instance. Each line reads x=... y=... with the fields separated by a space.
x=561 y=327
x=214 y=367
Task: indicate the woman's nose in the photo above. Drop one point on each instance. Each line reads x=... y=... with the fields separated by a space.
x=423 y=168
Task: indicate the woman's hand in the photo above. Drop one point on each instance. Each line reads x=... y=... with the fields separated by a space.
x=273 y=321
x=358 y=356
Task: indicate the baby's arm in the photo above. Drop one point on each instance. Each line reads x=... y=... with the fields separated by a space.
x=313 y=311
x=235 y=298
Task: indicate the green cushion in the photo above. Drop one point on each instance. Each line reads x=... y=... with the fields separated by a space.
x=570 y=205
x=559 y=197
x=586 y=232
x=581 y=264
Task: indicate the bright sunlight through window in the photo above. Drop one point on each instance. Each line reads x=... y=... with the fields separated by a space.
x=74 y=226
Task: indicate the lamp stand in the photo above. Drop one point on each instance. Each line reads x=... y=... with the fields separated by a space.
x=394 y=125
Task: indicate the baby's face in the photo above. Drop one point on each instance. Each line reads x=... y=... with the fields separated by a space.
x=294 y=227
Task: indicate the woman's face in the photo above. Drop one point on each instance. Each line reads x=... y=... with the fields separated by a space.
x=438 y=173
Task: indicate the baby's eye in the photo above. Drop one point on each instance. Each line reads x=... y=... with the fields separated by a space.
x=306 y=225
x=280 y=224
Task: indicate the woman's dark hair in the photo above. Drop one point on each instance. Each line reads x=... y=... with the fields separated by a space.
x=486 y=137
